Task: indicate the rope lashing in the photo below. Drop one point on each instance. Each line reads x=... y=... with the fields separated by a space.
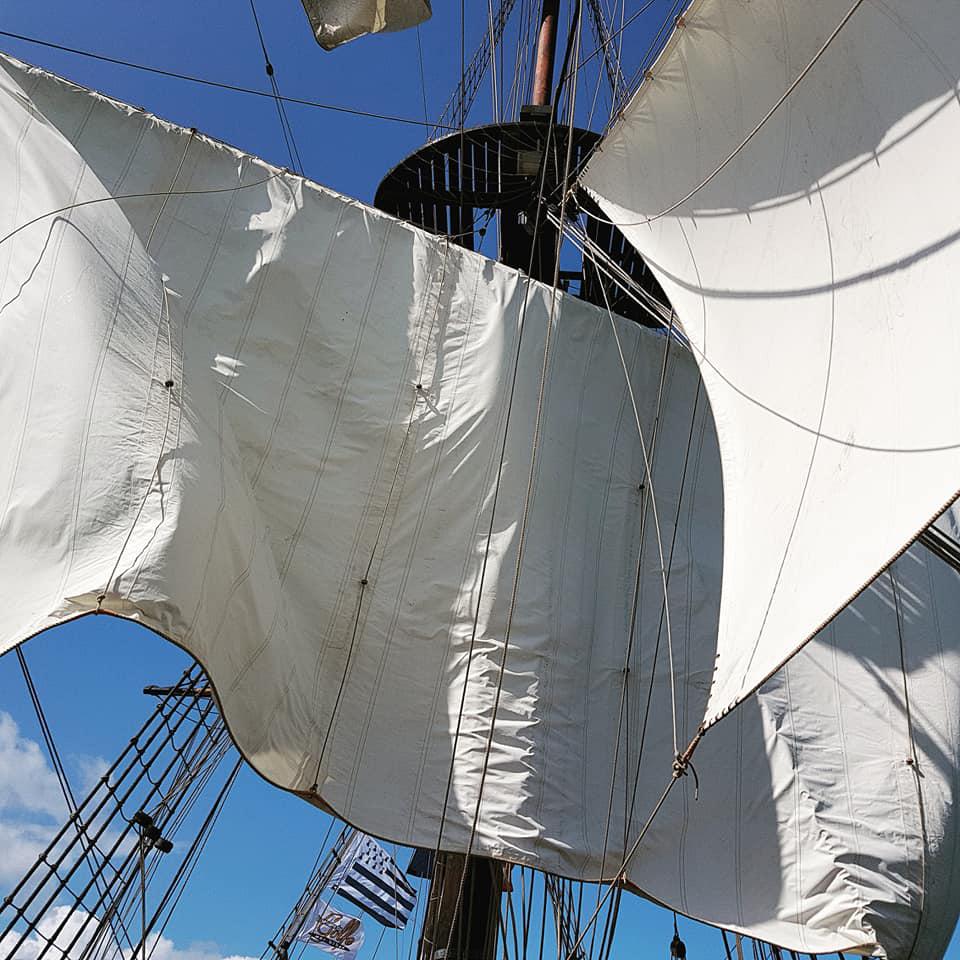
x=678 y=949
x=684 y=762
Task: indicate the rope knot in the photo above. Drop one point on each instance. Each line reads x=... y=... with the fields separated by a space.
x=683 y=761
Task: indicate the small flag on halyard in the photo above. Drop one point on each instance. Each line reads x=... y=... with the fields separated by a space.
x=370 y=879
x=335 y=932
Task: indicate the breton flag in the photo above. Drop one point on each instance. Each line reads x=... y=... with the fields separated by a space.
x=370 y=879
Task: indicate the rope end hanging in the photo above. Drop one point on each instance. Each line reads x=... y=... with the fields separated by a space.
x=678 y=949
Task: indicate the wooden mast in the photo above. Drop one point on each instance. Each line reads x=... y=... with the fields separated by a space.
x=546 y=54
x=463 y=909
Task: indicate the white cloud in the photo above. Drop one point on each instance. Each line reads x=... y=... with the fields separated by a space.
x=26 y=781
x=89 y=771
x=159 y=947
x=32 y=807
x=20 y=843
x=165 y=949
x=33 y=945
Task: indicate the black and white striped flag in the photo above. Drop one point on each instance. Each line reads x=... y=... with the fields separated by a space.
x=370 y=879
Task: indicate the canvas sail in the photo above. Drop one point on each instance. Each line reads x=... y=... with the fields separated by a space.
x=787 y=171
x=271 y=424
x=336 y=21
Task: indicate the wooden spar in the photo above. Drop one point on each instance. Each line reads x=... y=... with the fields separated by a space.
x=546 y=53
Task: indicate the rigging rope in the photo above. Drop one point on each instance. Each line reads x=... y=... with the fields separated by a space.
x=417 y=397
x=656 y=44
x=496 y=491
x=454 y=114
x=295 y=162
x=184 y=872
x=140 y=776
x=624 y=708
x=90 y=850
x=316 y=880
x=135 y=196
x=913 y=761
x=656 y=517
x=495 y=498
x=614 y=36
x=611 y=61
x=423 y=82
x=219 y=85
x=612 y=885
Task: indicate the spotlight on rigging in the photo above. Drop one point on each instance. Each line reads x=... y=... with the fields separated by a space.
x=150 y=835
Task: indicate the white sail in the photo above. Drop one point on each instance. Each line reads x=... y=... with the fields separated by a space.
x=339 y=390
x=334 y=523
x=787 y=170
x=336 y=21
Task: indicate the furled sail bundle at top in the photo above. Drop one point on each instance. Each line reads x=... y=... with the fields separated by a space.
x=788 y=170
x=336 y=21
x=295 y=436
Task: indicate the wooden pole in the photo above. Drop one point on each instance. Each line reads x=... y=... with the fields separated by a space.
x=546 y=54
x=463 y=909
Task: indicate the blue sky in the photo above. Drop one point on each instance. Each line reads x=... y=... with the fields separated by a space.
x=90 y=674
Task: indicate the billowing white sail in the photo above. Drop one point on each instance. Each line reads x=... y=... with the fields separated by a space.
x=326 y=505
x=788 y=171
x=297 y=457
x=337 y=21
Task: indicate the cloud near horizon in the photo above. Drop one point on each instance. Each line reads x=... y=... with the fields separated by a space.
x=32 y=809
x=31 y=804
x=159 y=947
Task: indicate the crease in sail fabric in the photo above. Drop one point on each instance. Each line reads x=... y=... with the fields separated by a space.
x=816 y=273
x=335 y=22
x=238 y=511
